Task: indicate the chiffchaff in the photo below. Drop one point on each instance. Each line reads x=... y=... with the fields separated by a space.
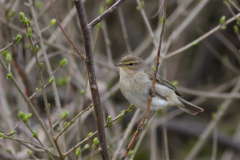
x=136 y=85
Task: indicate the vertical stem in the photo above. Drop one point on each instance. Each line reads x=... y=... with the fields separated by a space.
x=92 y=79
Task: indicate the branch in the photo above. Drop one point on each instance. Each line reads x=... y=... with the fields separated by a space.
x=153 y=87
x=107 y=12
x=65 y=33
x=92 y=79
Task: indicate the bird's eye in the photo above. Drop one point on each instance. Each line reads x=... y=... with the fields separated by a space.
x=130 y=64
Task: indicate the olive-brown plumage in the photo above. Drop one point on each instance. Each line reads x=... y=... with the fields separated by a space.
x=136 y=84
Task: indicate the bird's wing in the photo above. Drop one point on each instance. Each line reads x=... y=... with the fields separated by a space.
x=162 y=81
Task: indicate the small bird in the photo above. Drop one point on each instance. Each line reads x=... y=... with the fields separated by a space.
x=136 y=85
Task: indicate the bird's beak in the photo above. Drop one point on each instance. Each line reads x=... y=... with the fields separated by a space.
x=119 y=65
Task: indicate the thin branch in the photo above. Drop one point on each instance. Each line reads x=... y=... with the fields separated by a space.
x=92 y=80
x=203 y=138
x=6 y=47
x=200 y=38
x=107 y=12
x=153 y=86
x=65 y=33
x=30 y=105
x=72 y=121
x=124 y=30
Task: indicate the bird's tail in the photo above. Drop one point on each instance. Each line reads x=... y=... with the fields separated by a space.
x=189 y=107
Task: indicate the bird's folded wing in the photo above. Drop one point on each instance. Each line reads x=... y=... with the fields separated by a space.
x=162 y=81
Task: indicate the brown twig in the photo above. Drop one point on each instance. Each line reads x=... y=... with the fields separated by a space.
x=153 y=87
x=65 y=33
x=107 y=12
x=92 y=79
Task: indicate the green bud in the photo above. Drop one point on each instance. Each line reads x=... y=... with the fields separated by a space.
x=5 y=52
x=109 y=118
x=9 y=151
x=28 y=116
x=224 y=27
x=109 y=2
x=37 y=48
x=10 y=137
x=195 y=43
x=38 y=4
x=110 y=124
x=21 y=115
x=175 y=83
x=37 y=89
x=138 y=8
x=99 y=25
x=35 y=134
x=62 y=81
x=9 y=57
x=32 y=49
x=29 y=35
x=222 y=19
x=1 y=135
x=51 y=80
x=95 y=141
x=132 y=105
x=153 y=68
x=86 y=146
x=58 y=129
x=130 y=110
x=108 y=147
x=64 y=114
x=9 y=76
x=78 y=151
x=66 y=123
x=63 y=62
x=101 y=9
x=17 y=38
x=82 y=92
x=53 y=22
x=131 y=152
x=236 y=30
x=22 y=16
x=11 y=14
x=27 y=21
x=49 y=105
x=29 y=151
x=142 y=3
x=50 y=149
x=13 y=132
x=89 y=134
x=41 y=65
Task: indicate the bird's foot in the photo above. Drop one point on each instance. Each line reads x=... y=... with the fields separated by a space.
x=140 y=128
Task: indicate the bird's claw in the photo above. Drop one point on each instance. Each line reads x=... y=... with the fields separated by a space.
x=140 y=128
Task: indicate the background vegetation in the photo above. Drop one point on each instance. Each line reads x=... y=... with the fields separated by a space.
x=200 y=54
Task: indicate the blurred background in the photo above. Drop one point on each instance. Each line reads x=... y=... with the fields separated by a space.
x=206 y=71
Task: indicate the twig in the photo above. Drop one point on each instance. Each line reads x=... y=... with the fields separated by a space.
x=153 y=87
x=35 y=93
x=234 y=5
x=215 y=142
x=202 y=140
x=30 y=105
x=124 y=30
x=65 y=33
x=147 y=23
x=92 y=80
x=6 y=47
x=72 y=121
x=200 y=38
x=107 y=12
